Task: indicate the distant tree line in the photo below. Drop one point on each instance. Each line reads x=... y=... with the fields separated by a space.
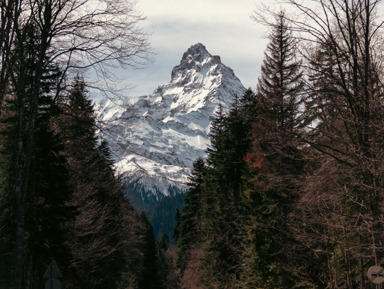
x=291 y=193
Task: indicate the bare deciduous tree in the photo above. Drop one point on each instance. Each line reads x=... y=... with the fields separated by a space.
x=71 y=34
x=345 y=93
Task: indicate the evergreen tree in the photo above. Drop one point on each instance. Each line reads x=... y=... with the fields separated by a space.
x=176 y=229
x=48 y=209
x=149 y=277
x=37 y=172
x=8 y=210
x=276 y=162
x=164 y=263
x=189 y=225
x=28 y=73
x=223 y=189
x=210 y=241
x=98 y=196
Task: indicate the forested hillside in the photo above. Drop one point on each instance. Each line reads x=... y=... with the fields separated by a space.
x=291 y=192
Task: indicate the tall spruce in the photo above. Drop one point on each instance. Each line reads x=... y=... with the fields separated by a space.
x=8 y=210
x=149 y=277
x=276 y=163
x=96 y=233
x=210 y=242
x=32 y=165
x=48 y=211
x=48 y=203
x=223 y=189
x=189 y=225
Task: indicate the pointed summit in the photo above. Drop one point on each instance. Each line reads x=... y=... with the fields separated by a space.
x=196 y=52
x=156 y=138
x=195 y=58
x=159 y=136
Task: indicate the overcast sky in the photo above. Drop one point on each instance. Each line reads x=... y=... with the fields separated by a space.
x=223 y=26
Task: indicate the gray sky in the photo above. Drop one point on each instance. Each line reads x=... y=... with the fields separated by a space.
x=223 y=26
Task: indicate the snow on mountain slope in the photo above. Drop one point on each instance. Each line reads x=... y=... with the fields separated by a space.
x=156 y=138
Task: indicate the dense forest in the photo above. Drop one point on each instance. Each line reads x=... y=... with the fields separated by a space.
x=59 y=197
x=291 y=192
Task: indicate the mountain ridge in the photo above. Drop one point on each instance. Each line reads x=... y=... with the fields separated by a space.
x=156 y=138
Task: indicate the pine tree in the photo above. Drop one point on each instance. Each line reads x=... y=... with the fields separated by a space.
x=149 y=277
x=98 y=197
x=210 y=241
x=276 y=163
x=223 y=189
x=280 y=90
x=48 y=209
x=36 y=170
x=28 y=74
x=8 y=209
x=189 y=225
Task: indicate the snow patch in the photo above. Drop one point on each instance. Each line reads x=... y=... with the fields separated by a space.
x=156 y=138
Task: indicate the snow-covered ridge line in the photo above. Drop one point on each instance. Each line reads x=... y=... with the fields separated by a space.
x=156 y=138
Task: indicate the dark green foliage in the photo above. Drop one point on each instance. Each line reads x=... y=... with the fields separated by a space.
x=210 y=225
x=59 y=198
x=149 y=277
x=98 y=197
x=163 y=266
x=48 y=209
x=160 y=210
x=111 y=246
x=176 y=229
x=276 y=163
x=75 y=209
x=162 y=215
x=188 y=225
x=7 y=201
x=238 y=206
x=32 y=161
x=223 y=188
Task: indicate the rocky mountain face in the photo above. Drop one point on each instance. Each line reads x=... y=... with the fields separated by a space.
x=156 y=138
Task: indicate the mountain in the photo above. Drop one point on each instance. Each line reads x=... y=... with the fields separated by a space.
x=156 y=138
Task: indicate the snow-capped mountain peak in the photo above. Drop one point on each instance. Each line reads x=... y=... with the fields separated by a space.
x=157 y=137
x=193 y=60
